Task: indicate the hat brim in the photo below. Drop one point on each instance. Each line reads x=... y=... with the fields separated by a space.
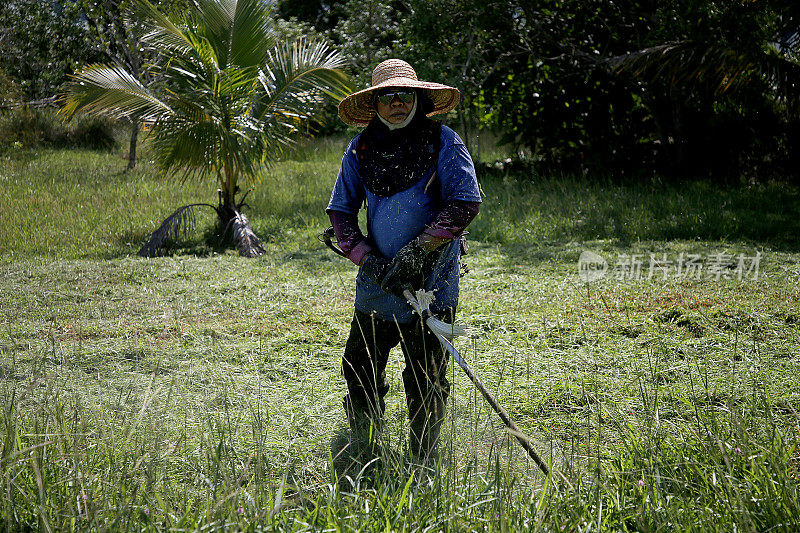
x=358 y=109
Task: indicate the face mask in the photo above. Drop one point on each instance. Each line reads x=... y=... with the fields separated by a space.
x=403 y=124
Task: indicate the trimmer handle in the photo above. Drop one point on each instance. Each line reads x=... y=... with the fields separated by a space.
x=327 y=237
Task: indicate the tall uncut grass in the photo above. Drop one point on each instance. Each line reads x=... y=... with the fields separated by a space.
x=81 y=204
x=202 y=390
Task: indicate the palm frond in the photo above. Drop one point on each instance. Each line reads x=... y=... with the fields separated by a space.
x=252 y=33
x=188 y=146
x=164 y=35
x=783 y=75
x=292 y=85
x=718 y=68
x=247 y=242
x=294 y=77
x=113 y=92
x=787 y=39
x=239 y=31
x=687 y=62
x=214 y=19
x=180 y=223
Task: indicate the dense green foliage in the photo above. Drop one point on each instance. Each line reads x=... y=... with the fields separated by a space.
x=26 y=127
x=550 y=77
x=41 y=43
x=683 y=87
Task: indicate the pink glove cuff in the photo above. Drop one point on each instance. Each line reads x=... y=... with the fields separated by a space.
x=358 y=252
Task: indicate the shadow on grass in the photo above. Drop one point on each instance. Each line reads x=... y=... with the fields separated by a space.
x=203 y=242
x=540 y=219
x=536 y=220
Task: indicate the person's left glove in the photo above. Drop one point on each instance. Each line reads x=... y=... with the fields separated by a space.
x=375 y=266
x=408 y=269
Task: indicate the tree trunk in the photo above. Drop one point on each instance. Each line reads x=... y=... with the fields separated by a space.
x=226 y=211
x=227 y=201
x=132 y=147
x=465 y=128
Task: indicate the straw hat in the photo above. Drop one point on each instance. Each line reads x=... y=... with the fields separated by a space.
x=358 y=108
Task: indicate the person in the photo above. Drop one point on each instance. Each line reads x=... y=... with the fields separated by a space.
x=417 y=182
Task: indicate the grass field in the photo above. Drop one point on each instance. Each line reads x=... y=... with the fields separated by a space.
x=202 y=390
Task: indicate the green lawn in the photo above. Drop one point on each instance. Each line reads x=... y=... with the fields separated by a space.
x=202 y=390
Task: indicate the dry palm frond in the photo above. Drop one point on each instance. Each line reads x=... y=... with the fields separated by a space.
x=180 y=223
x=247 y=242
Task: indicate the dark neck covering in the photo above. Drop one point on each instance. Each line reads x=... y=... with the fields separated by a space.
x=393 y=161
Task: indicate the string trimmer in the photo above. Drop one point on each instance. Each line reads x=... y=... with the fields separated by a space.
x=421 y=302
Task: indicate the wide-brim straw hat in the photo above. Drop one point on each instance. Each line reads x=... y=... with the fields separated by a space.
x=358 y=109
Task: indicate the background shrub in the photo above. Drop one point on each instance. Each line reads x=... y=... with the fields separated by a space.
x=28 y=127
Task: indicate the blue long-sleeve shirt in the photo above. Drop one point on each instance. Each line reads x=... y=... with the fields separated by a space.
x=393 y=221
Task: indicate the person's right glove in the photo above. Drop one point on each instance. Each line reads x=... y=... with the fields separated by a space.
x=408 y=269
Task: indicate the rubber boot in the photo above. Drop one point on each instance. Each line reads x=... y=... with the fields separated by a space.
x=425 y=425
x=365 y=430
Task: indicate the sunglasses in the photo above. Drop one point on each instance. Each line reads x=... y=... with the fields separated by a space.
x=405 y=96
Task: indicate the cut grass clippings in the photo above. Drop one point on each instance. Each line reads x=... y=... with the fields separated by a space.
x=203 y=391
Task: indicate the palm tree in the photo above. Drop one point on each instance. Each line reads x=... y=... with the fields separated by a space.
x=229 y=99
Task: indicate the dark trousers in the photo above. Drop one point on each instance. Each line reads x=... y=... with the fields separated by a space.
x=424 y=377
